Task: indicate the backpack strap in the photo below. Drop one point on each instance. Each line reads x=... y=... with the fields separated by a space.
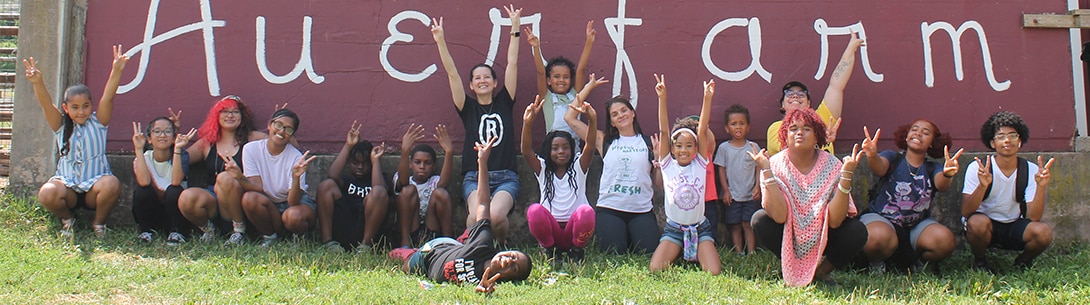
x=1020 y=184
x=650 y=147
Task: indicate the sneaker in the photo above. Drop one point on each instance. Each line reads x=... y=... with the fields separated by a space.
x=100 y=231
x=269 y=240
x=878 y=267
x=553 y=257
x=146 y=237
x=332 y=246
x=577 y=254
x=983 y=266
x=363 y=249
x=209 y=232
x=66 y=227
x=235 y=239
x=175 y=239
x=1023 y=265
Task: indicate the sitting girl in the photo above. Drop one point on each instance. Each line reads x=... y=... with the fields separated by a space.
x=160 y=169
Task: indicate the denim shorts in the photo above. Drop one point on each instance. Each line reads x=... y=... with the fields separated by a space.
x=913 y=233
x=498 y=180
x=212 y=190
x=307 y=200
x=673 y=233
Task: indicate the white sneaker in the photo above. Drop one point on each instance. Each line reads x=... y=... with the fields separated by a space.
x=235 y=239
x=175 y=239
x=100 y=231
x=333 y=246
x=146 y=237
x=66 y=227
x=269 y=240
x=878 y=267
x=209 y=232
x=363 y=249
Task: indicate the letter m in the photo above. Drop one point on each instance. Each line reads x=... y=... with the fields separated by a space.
x=926 y=30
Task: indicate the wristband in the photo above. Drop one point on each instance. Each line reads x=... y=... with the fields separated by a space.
x=516 y=33
x=842 y=189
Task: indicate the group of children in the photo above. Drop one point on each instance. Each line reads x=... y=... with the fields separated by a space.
x=257 y=179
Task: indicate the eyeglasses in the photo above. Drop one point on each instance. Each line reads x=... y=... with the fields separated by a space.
x=161 y=132
x=1009 y=136
x=231 y=112
x=793 y=93
x=280 y=126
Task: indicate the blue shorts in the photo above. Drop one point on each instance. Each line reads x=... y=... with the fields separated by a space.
x=307 y=200
x=418 y=261
x=673 y=233
x=498 y=180
x=212 y=190
x=739 y=211
x=913 y=234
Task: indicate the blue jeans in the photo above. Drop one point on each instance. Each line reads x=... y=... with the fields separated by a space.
x=498 y=180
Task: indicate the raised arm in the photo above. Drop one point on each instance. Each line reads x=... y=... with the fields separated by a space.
x=511 y=75
x=140 y=166
x=413 y=134
x=592 y=140
x=532 y=111
x=949 y=169
x=838 y=206
x=834 y=95
x=376 y=170
x=703 y=134
x=1036 y=207
x=584 y=58
x=981 y=179
x=295 y=193
x=539 y=64
x=483 y=196
x=878 y=164
x=583 y=129
x=664 y=119
x=177 y=172
x=447 y=145
x=772 y=197
x=350 y=140
x=106 y=104
x=457 y=93
x=53 y=115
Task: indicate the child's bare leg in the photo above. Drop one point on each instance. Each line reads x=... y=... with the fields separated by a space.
x=298 y=219
x=261 y=212
x=751 y=240
x=328 y=193
x=103 y=197
x=408 y=206
x=736 y=237
x=440 y=216
x=374 y=210
x=57 y=198
x=708 y=257
x=502 y=203
x=665 y=254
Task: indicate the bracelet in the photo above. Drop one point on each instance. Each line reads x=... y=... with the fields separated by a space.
x=763 y=171
x=842 y=189
x=178 y=153
x=769 y=181
x=950 y=176
x=516 y=33
x=847 y=172
x=845 y=178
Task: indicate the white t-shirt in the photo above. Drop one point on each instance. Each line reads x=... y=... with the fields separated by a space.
x=740 y=169
x=1000 y=204
x=161 y=172
x=423 y=190
x=275 y=171
x=565 y=198
x=685 y=186
x=626 y=176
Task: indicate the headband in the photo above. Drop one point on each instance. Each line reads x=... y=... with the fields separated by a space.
x=682 y=130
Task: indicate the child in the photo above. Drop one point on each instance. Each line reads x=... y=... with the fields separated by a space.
x=160 y=174
x=83 y=178
x=554 y=81
x=738 y=178
x=358 y=198
x=564 y=220
x=684 y=162
x=476 y=261
x=421 y=192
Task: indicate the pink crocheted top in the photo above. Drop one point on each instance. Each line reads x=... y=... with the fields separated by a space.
x=805 y=232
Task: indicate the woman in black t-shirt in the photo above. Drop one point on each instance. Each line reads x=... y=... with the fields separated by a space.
x=487 y=113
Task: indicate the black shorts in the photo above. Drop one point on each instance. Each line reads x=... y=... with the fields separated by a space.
x=348 y=221
x=81 y=202
x=1010 y=236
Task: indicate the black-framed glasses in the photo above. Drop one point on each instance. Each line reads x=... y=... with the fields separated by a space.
x=280 y=126
x=234 y=112
x=161 y=132
x=794 y=93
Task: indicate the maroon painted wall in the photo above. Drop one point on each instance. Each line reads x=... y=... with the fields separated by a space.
x=347 y=39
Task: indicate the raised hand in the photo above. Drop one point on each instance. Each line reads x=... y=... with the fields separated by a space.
x=531 y=38
x=760 y=157
x=514 y=14
x=830 y=134
x=120 y=59
x=437 y=29
x=488 y=285
x=413 y=134
x=709 y=87
x=655 y=148
x=443 y=138
x=138 y=137
x=181 y=140
x=950 y=167
x=484 y=149
x=32 y=73
x=870 y=144
x=584 y=109
x=353 y=136
x=300 y=166
x=175 y=118
x=1044 y=173
x=231 y=167
x=984 y=172
x=852 y=160
x=377 y=151
x=660 y=84
x=594 y=81
x=591 y=32
x=532 y=110
x=277 y=107
x=856 y=42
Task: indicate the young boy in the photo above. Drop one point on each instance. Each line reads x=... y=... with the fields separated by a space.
x=354 y=202
x=995 y=211
x=420 y=191
x=737 y=177
x=476 y=261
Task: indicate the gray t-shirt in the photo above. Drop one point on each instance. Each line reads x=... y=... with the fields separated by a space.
x=739 y=167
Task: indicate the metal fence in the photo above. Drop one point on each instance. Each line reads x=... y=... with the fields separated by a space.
x=9 y=33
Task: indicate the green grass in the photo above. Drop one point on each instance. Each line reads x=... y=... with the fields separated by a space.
x=37 y=266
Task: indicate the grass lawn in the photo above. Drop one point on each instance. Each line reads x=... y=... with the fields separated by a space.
x=38 y=266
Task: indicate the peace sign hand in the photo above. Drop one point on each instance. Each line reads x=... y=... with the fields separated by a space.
x=950 y=167
x=1044 y=173
x=277 y=107
x=138 y=137
x=353 y=136
x=870 y=144
x=852 y=160
x=760 y=158
x=856 y=41
x=655 y=147
x=709 y=87
x=377 y=151
x=437 y=29
x=300 y=166
x=181 y=140
x=830 y=134
x=488 y=285
x=531 y=38
x=514 y=14
x=175 y=118
x=591 y=32
x=532 y=110
x=584 y=109
x=32 y=73
x=660 y=84
x=119 y=58
x=594 y=82
x=231 y=167
x=483 y=149
x=984 y=170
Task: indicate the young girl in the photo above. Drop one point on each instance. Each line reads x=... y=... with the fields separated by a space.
x=683 y=158
x=491 y=113
x=228 y=126
x=554 y=81
x=83 y=178
x=352 y=204
x=420 y=191
x=160 y=174
x=564 y=220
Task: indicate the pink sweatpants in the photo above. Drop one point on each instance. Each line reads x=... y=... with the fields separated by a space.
x=549 y=233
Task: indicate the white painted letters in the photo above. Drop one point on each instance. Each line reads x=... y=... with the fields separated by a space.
x=824 y=30
x=955 y=40
x=150 y=39
x=304 y=63
x=755 y=66
x=397 y=36
x=615 y=27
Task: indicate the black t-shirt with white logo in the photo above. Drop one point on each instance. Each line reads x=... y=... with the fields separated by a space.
x=462 y=263
x=483 y=121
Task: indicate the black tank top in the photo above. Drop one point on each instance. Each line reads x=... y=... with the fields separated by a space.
x=214 y=164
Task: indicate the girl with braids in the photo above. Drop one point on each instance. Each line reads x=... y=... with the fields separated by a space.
x=83 y=178
x=228 y=126
x=683 y=158
x=564 y=220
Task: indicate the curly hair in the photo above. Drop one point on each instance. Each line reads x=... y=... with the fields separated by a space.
x=808 y=117
x=1003 y=119
x=559 y=61
x=900 y=137
x=550 y=167
x=210 y=128
x=736 y=108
